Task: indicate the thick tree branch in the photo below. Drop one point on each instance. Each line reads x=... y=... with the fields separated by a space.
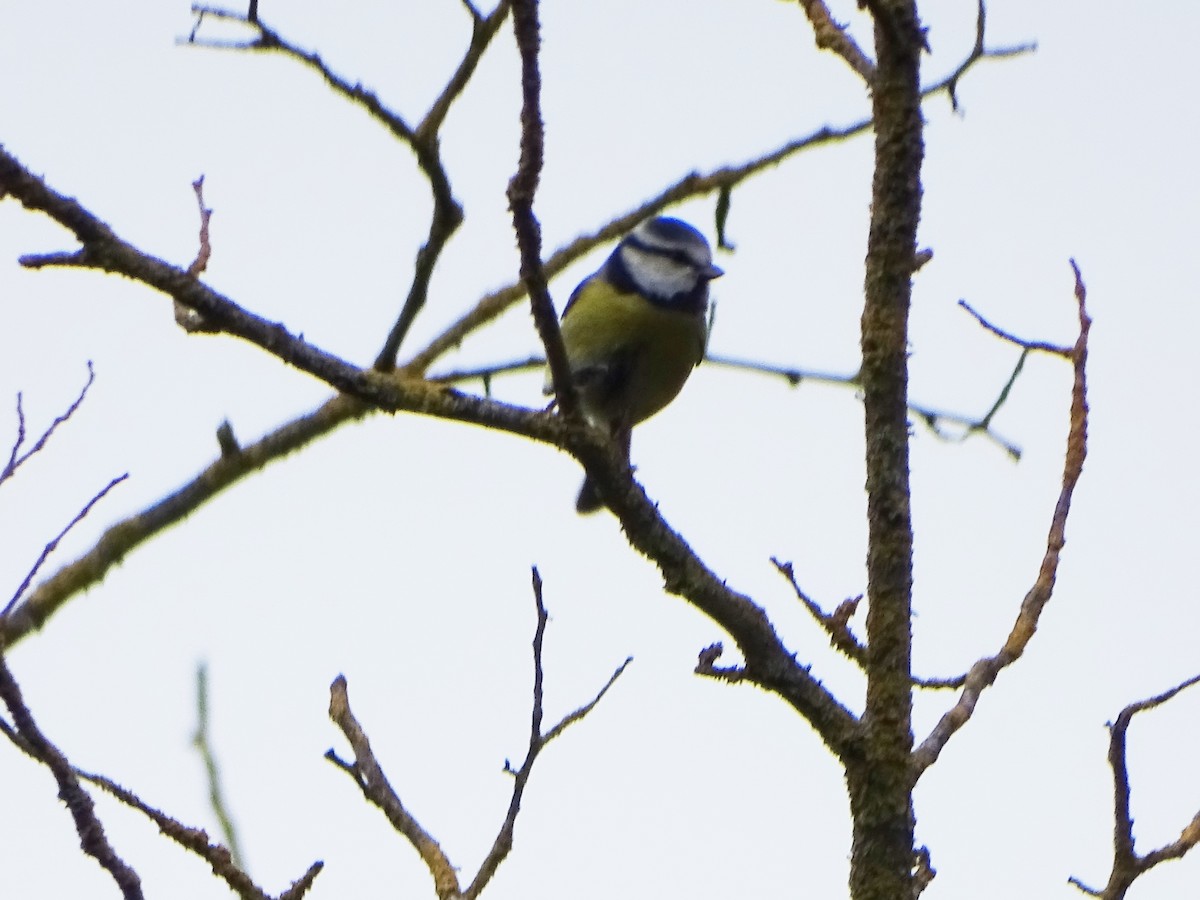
x=771 y=664
x=883 y=856
x=984 y=673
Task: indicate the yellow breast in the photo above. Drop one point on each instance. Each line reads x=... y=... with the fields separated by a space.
x=633 y=355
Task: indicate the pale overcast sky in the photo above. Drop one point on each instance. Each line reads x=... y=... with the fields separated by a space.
x=397 y=551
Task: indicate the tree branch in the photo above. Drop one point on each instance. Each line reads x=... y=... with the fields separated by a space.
x=121 y=538
x=832 y=36
x=92 y=839
x=688 y=187
x=1127 y=865
x=53 y=545
x=371 y=780
x=521 y=191
x=369 y=775
x=422 y=140
x=16 y=458
x=537 y=742
x=984 y=672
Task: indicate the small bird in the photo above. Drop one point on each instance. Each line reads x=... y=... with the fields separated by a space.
x=636 y=327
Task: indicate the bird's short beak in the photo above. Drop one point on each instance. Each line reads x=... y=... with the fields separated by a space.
x=712 y=272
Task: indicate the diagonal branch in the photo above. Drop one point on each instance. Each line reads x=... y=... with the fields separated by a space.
x=769 y=662
x=371 y=780
x=984 y=672
x=830 y=35
x=91 y=833
x=836 y=623
x=49 y=596
x=53 y=545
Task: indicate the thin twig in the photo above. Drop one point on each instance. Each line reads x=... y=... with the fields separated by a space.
x=216 y=798
x=53 y=545
x=1028 y=346
x=537 y=742
x=447 y=213
x=978 y=52
x=16 y=458
x=188 y=319
x=836 y=624
x=984 y=672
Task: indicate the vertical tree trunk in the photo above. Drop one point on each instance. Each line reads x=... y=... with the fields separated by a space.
x=880 y=782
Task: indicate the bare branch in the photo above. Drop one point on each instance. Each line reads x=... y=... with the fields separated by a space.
x=686 y=188
x=774 y=667
x=832 y=36
x=91 y=833
x=1127 y=865
x=978 y=52
x=369 y=776
x=16 y=458
x=836 y=624
x=49 y=596
x=1028 y=346
x=537 y=742
x=53 y=545
x=423 y=140
x=934 y=419
x=521 y=191
x=188 y=319
x=984 y=672
x=216 y=796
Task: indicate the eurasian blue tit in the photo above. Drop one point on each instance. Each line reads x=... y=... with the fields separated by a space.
x=636 y=327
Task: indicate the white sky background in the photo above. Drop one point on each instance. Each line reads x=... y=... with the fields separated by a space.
x=397 y=551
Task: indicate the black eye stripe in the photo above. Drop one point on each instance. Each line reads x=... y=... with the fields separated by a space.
x=680 y=256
